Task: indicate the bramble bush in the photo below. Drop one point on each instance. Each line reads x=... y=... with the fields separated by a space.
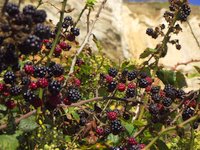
x=58 y=94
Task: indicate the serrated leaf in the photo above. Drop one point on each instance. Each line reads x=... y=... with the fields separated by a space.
x=2 y=107
x=161 y=145
x=28 y=124
x=113 y=138
x=75 y=115
x=129 y=127
x=9 y=142
x=147 y=52
x=139 y=123
x=180 y=80
x=125 y=64
x=166 y=76
x=197 y=68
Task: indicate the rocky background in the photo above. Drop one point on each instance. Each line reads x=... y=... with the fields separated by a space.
x=121 y=29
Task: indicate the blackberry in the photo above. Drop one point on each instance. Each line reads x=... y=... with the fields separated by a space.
x=29 y=10
x=11 y=9
x=143 y=83
x=180 y=94
x=170 y=91
x=112 y=115
x=83 y=121
x=29 y=96
x=124 y=73
x=73 y=95
x=116 y=127
x=68 y=18
x=48 y=45
x=10 y=104
x=126 y=116
x=130 y=93
x=111 y=86
x=184 y=12
x=153 y=109
x=42 y=82
x=15 y=90
x=155 y=89
x=143 y=74
x=57 y=70
x=75 y=31
x=156 y=98
x=112 y=72
x=25 y=80
x=9 y=77
x=195 y=125
x=32 y=44
x=40 y=71
x=54 y=87
x=132 y=75
x=107 y=131
x=39 y=16
x=42 y=31
x=167 y=101
x=149 y=31
x=67 y=23
x=187 y=113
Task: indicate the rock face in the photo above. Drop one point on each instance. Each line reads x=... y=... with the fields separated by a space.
x=121 y=29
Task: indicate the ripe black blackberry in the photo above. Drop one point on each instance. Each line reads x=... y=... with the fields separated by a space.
x=111 y=86
x=107 y=131
x=170 y=91
x=11 y=9
x=143 y=74
x=149 y=31
x=75 y=31
x=40 y=71
x=25 y=80
x=124 y=73
x=67 y=22
x=39 y=16
x=73 y=95
x=54 y=87
x=143 y=83
x=29 y=96
x=167 y=101
x=112 y=72
x=155 y=89
x=153 y=109
x=116 y=127
x=195 y=125
x=57 y=70
x=9 y=77
x=180 y=94
x=156 y=98
x=132 y=75
x=42 y=31
x=29 y=10
x=32 y=44
x=187 y=113
x=68 y=18
x=15 y=90
x=184 y=12
x=130 y=92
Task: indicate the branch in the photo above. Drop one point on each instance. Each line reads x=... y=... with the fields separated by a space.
x=19 y=119
x=86 y=38
x=185 y=63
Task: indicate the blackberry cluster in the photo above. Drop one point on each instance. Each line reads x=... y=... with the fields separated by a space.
x=130 y=93
x=67 y=22
x=167 y=101
x=42 y=31
x=9 y=77
x=111 y=86
x=184 y=12
x=153 y=109
x=32 y=44
x=29 y=10
x=54 y=87
x=29 y=96
x=116 y=127
x=156 y=98
x=151 y=33
x=57 y=70
x=39 y=16
x=187 y=113
x=75 y=31
x=170 y=91
x=143 y=83
x=73 y=94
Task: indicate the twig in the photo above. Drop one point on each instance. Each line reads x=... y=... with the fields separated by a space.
x=185 y=63
x=141 y=131
x=19 y=119
x=193 y=34
x=86 y=38
x=88 y=20
x=80 y=15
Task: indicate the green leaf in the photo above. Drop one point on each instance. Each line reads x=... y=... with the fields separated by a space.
x=113 y=138
x=129 y=127
x=2 y=107
x=75 y=115
x=125 y=64
x=161 y=145
x=166 y=76
x=28 y=124
x=9 y=142
x=197 y=68
x=139 y=123
x=147 y=52
x=180 y=80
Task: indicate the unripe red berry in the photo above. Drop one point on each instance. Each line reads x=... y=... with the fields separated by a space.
x=131 y=85
x=148 y=88
x=57 y=50
x=149 y=80
x=142 y=146
x=45 y=41
x=2 y=87
x=109 y=79
x=63 y=45
x=33 y=86
x=77 y=82
x=121 y=87
x=29 y=69
x=66 y=101
x=112 y=115
x=10 y=104
x=42 y=83
x=132 y=141
x=100 y=131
